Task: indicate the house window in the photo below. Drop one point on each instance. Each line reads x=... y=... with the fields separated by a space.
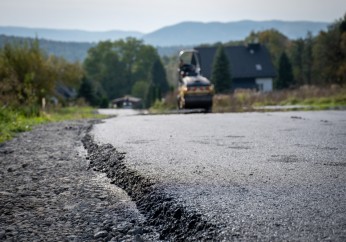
x=258 y=67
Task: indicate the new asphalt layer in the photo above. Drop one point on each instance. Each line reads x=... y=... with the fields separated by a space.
x=255 y=176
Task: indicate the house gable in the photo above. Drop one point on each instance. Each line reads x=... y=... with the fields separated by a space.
x=251 y=62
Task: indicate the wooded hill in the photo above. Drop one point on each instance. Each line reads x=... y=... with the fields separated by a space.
x=71 y=51
x=185 y=33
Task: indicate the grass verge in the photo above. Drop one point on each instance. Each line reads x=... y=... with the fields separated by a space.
x=304 y=98
x=14 y=121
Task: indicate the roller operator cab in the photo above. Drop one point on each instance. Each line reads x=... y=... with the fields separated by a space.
x=194 y=91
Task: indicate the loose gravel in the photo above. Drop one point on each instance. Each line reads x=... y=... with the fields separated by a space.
x=47 y=192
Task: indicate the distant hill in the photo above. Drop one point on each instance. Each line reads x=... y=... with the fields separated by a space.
x=186 y=33
x=74 y=44
x=68 y=35
x=193 y=33
x=76 y=51
x=71 y=51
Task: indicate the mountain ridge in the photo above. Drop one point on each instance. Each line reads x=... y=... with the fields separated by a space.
x=194 y=33
x=67 y=35
x=183 y=33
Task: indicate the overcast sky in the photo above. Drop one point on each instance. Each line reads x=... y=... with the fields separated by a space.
x=148 y=15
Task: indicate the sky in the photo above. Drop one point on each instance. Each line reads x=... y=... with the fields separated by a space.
x=149 y=15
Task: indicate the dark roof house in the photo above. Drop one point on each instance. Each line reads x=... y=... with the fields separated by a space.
x=250 y=66
x=128 y=102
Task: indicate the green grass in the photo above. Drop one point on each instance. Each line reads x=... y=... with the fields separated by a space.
x=309 y=97
x=15 y=121
x=161 y=107
x=319 y=102
x=72 y=113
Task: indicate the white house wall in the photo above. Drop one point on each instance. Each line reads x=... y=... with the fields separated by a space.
x=265 y=84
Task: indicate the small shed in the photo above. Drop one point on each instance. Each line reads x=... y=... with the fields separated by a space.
x=128 y=102
x=250 y=66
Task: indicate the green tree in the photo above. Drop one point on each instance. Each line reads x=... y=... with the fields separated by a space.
x=295 y=52
x=341 y=73
x=103 y=65
x=221 y=76
x=27 y=75
x=151 y=96
x=285 y=76
x=87 y=91
x=117 y=66
x=67 y=73
x=27 y=66
x=104 y=102
x=170 y=65
x=307 y=59
x=330 y=54
x=140 y=89
x=158 y=76
x=275 y=41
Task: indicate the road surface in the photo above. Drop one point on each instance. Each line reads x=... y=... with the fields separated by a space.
x=256 y=176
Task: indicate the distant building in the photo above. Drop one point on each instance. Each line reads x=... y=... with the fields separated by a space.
x=128 y=102
x=251 y=66
x=66 y=92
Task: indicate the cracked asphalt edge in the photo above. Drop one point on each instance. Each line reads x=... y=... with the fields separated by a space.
x=47 y=193
x=171 y=219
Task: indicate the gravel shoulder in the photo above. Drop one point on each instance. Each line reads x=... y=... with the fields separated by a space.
x=47 y=192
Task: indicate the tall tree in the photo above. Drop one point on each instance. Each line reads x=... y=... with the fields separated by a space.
x=307 y=59
x=330 y=54
x=221 y=76
x=151 y=96
x=295 y=54
x=87 y=91
x=104 y=67
x=341 y=73
x=158 y=76
x=285 y=76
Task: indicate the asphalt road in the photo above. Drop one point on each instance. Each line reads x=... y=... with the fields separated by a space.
x=258 y=176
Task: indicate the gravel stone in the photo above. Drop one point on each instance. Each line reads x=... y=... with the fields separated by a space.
x=47 y=192
x=101 y=234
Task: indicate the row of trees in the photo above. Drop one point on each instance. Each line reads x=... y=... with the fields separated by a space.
x=313 y=60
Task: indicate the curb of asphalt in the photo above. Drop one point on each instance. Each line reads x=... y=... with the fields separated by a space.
x=171 y=219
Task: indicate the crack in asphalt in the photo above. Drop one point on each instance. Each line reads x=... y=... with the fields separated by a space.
x=171 y=219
